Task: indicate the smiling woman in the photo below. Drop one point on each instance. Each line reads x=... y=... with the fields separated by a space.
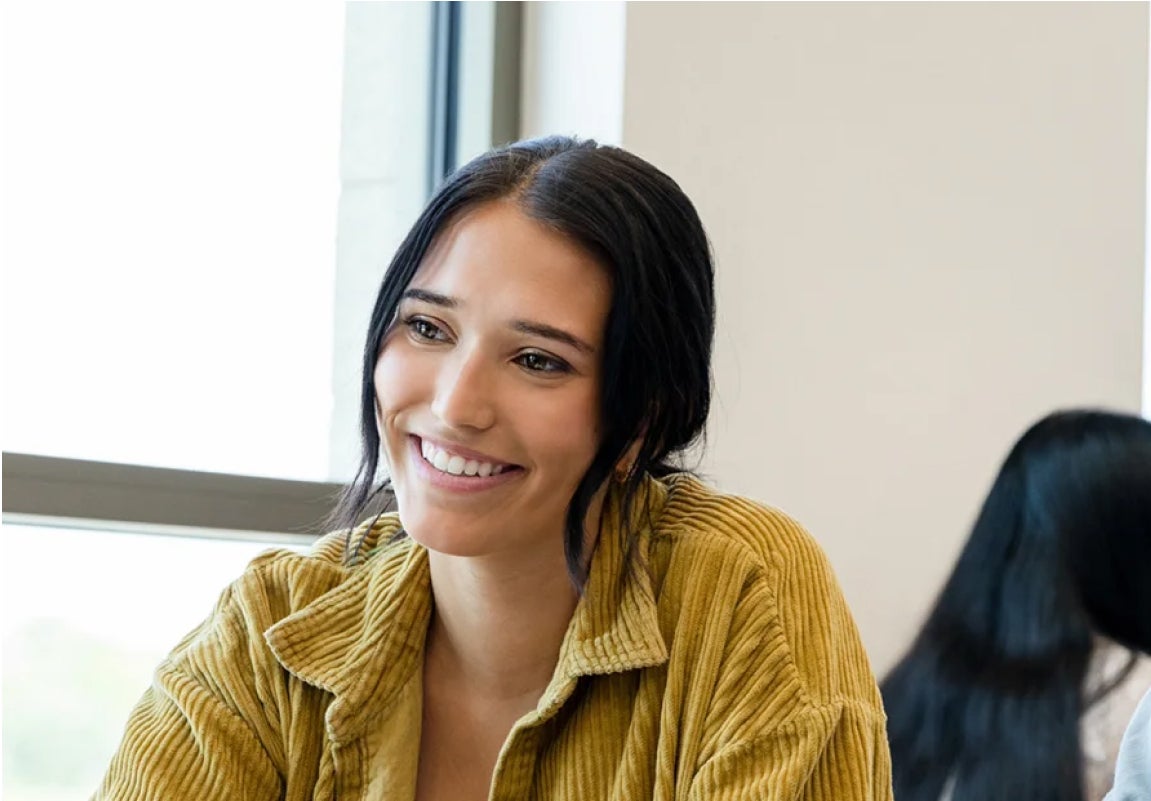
x=555 y=609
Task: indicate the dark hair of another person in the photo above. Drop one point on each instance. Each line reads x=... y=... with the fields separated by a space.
x=656 y=360
x=991 y=692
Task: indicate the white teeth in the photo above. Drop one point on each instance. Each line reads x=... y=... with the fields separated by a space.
x=456 y=465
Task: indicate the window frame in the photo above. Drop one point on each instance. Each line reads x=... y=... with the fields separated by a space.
x=87 y=494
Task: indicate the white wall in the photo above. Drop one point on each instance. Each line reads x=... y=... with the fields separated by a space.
x=573 y=62
x=928 y=222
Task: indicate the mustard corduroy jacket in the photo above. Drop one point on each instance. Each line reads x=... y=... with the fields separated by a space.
x=714 y=659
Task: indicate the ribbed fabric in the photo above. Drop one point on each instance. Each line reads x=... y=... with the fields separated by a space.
x=713 y=659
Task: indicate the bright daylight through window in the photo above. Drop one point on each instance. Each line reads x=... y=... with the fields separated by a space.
x=199 y=202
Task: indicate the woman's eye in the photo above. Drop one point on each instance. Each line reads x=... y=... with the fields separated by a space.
x=424 y=329
x=539 y=363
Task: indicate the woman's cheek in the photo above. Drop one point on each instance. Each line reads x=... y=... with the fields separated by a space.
x=568 y=427
x=389 y=370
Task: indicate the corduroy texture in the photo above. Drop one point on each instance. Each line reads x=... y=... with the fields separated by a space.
x=714 y=660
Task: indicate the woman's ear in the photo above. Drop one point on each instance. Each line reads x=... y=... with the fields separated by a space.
x=626 y=463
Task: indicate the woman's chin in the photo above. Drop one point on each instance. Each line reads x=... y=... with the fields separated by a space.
x=449 y=541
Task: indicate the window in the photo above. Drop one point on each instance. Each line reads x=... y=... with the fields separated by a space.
x=88 y=617
x=173 y=208
x=199 y=204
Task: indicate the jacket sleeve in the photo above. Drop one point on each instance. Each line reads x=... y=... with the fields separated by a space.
x=832 y=753
x=796 y=714
x=202 y=730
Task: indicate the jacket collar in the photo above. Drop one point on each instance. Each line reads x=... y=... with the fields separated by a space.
x=363 y=640
x=615 y=626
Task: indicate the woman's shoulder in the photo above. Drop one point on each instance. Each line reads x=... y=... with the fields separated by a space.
x=281 y=581
x=1133 y=767
x=347 y=549
x=788 y=582
x=1104 y=722
x=700 y=516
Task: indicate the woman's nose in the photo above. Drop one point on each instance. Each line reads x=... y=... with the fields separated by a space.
x=464 y=393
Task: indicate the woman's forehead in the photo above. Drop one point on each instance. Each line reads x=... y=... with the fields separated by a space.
x=497 y=256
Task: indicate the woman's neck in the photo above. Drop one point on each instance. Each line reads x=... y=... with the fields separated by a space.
x=498 y=623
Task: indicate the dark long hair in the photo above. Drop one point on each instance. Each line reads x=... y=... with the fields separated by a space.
x=991 y=692
x=656 y=372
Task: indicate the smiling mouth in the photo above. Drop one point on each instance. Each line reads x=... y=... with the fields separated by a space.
x=452 y=464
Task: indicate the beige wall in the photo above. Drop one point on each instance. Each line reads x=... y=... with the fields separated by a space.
x=928 y=222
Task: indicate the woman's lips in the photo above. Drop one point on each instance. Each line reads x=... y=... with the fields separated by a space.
x=460 y=482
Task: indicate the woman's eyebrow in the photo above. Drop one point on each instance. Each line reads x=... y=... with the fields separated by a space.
x=435 y=298
x=551 y=332
x=523 y=326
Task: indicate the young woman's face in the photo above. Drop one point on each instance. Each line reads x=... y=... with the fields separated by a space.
x=488 y=384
